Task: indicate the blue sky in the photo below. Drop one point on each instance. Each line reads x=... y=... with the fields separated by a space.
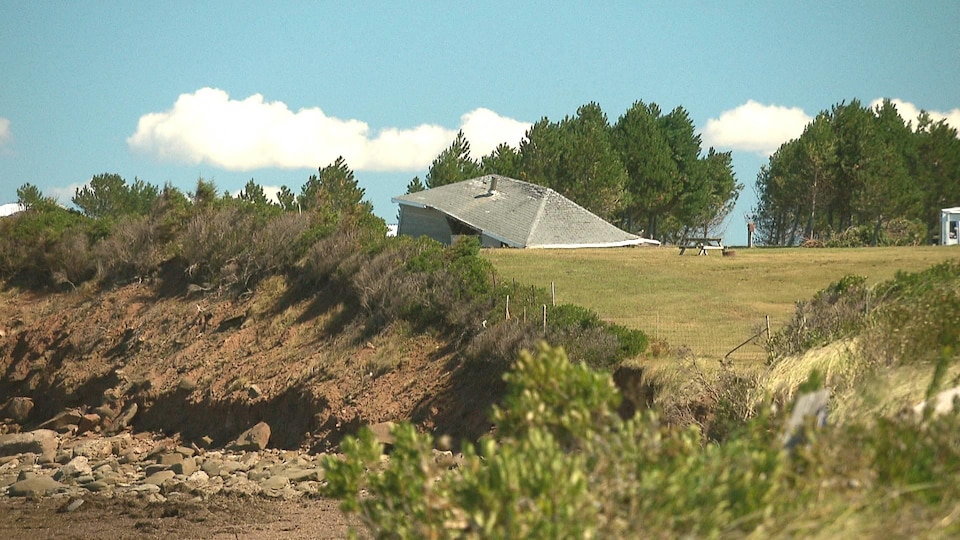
x=170 y=91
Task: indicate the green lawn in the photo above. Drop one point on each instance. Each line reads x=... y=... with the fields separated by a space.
x=709 y=304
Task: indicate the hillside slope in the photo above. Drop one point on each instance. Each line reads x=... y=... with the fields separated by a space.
x=208 y=366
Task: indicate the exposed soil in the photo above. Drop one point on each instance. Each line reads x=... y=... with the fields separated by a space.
x=223 y=518
x=207 y=366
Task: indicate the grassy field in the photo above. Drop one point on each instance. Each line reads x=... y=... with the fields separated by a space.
x=708 y=304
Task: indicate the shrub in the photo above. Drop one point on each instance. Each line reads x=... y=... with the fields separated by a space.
x=42 y=241
x=839 y=310
x=129 y=251
x=563 y=464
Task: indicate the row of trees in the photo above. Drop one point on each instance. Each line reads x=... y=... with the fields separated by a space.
x=859 y=170
x=646 y=171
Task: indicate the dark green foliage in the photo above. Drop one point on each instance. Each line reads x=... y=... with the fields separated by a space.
x=108 y=196
x=453 y=164
x=415 y=186
x=589 y=339
x=853 y=173
x=504 y=160
x=896 y=232
x=46 y=245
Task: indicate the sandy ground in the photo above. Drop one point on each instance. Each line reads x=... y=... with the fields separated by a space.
x=217 y=518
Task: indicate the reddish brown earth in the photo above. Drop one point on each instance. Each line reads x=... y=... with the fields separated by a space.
x=207 y=366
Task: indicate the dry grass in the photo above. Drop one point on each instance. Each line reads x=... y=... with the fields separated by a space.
x=707 y=304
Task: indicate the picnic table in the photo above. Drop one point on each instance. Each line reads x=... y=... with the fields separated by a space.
x=702 y=245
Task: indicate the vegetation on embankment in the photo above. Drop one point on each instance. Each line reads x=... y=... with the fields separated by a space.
x=562 y=463
x=241 y=306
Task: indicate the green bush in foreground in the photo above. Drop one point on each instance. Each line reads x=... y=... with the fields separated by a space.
x=560 y=463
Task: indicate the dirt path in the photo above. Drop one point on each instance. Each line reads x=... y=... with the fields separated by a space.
x=218 y=518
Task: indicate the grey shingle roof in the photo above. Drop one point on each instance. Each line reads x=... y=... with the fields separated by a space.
x=521 y=214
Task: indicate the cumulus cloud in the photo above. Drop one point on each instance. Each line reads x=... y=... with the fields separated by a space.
x=486 y=130
x=909 y=112
x=5 y=134
x=64 y=194
x=208 y=126
x=755 y=127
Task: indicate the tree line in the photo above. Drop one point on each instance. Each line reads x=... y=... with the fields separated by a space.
x=859 y=176
x=645 y=172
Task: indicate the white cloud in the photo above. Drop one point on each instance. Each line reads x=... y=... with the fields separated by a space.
x=64 y=195
x=208 y=126
x=271 y=192
x=486 y=129
x=909 y=112
x=755 y=127
x=5 y=134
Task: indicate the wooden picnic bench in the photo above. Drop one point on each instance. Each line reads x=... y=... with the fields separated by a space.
x=702 y=245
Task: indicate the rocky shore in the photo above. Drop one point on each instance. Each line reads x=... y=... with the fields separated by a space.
x=61 y=460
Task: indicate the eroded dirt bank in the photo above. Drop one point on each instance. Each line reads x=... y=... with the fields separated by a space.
x=208 y=366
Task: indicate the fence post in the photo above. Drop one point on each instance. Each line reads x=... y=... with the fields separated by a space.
x=767 y=317
x=553 y=293
x=544 y=319
x=507 y=315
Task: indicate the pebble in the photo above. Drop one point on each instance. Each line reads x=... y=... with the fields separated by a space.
x=152 y=467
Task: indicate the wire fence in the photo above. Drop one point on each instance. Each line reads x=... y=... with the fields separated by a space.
x=707 y=341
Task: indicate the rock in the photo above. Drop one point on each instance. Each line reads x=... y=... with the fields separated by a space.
x=170 y=459
x=38 y=486
x=154 y=468
x=159 y=477
x=94 y=449
x=382 y=432
x=813 y=404
x=39 y=441
x=87 y=423
x=18 y=409
x=186 y=467
x=253 y=439
x=254 y=391
x=186 y=384
x=123 y=420
x=71 y=505
x=67 y=418
x=304 y=475
x=77 y=466
x=275 y=482
x=96 y=486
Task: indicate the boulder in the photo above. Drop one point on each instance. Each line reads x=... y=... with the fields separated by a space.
x=186 y=467
x=67 y=418
x=124 y=418
x=253 y=439
x=88 y=422
x=40 y=441
x=18 y=409
x=38 y=486
x=383 y=432
x=77 y=466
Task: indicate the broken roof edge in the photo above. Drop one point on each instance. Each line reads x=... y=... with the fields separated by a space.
x=621 y=243
x=498 y=238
